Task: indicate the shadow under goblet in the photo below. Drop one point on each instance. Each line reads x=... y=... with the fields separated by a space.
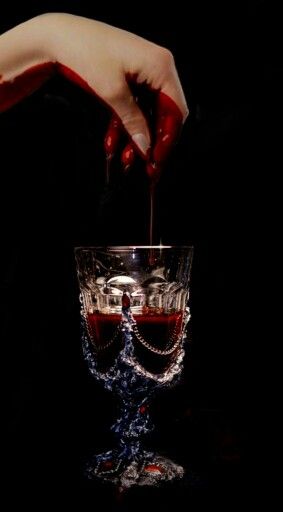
x=134 y=316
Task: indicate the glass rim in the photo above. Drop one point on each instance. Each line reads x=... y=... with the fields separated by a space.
x=131 y=247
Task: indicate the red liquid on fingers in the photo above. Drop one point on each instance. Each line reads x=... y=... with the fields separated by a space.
x=168 y=115
x=12 y=91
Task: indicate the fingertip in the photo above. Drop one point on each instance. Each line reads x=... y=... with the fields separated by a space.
x=186 y=114
x=128 y=157
x=112 y=136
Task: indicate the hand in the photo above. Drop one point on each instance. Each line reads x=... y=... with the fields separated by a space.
x=105 y=61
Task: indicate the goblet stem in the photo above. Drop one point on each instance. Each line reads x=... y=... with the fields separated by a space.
x=132 y=425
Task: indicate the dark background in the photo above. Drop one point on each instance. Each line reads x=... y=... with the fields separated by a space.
x=213 y=194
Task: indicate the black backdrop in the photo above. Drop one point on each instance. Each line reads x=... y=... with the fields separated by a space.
x=211 y=195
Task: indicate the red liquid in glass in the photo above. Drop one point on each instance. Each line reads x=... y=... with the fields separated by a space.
x=159 y=330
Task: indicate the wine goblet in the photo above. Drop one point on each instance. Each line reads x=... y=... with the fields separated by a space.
x=134 y=309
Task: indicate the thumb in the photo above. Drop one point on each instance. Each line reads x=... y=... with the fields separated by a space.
x=132 y=119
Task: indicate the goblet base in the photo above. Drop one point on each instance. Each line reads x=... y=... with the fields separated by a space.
x=148 y=470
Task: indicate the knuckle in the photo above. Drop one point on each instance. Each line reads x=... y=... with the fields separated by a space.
x=114 y=93
x=165 y=57
x=133 y=120
x=186 y=113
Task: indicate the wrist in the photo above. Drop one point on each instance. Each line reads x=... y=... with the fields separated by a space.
x=25 y=46
x=26 y=60
x=44 y=37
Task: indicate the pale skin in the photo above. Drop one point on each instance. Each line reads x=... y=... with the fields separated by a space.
x=104 y=60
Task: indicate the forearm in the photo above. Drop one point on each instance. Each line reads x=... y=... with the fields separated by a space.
x=32 y=51
x=26 y=60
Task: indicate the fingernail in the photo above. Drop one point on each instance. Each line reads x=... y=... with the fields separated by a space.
x=141 y=142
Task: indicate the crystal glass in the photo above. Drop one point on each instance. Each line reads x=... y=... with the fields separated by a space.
x=134 y=308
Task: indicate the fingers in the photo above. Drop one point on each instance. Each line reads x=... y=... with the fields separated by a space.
x=172 y=88
x=168 y=127
x=127 y=116
x=170 y=113
x=128 y=157
x=112 y=136
x=132 y=118
x=169 y=121
x=111 y=141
